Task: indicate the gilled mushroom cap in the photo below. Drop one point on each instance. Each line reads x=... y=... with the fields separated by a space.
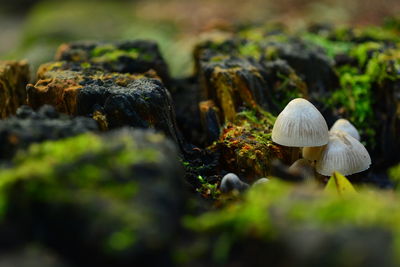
x=344 y=154
x=345 y=126
x=300 y=124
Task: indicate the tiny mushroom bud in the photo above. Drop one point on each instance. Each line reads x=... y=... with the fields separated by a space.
x=345 y=126
x=300 y=124
x=302 y=167
x=261 y=181
x=231 y=182
x=344 y=154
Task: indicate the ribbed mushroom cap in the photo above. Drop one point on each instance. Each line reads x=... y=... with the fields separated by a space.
x=344 y=154
x=345 y=126
x=300 y=124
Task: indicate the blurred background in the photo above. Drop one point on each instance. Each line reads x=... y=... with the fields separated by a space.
x=33 y=29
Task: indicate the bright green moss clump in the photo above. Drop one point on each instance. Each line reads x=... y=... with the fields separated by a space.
x=110 y=53
x=355 y=97
x=332 y=48
x=360 y=85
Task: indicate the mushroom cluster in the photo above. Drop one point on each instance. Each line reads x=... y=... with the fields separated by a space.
x=300 y=124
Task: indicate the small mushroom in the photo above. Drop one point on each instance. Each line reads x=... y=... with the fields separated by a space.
x=300 y=124
x=344 y=154
x=345 y=126
x=302 y=167
x=231 y=182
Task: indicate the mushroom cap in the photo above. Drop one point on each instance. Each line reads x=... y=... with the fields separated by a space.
x=300 y=124
x=346 y=126
x=232 y=182
x=344 y=154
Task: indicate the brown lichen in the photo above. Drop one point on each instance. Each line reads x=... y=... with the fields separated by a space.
x=14 y=75
x=246 y=145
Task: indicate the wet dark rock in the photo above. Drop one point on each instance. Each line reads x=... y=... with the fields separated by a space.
x=244 y=73
x=28 y=127
x=14 y=76
x=31 y=256
x=312 y=65
x=312 y=247
x=144 y=103
x=186 y=96
x=210 y=120
x=387 y=115
x=232 y=84
x=112 y=99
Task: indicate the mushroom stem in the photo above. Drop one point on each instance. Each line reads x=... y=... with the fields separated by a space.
x=294 y=151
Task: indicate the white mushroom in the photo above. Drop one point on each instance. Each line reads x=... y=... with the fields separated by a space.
x=300 y=124
x=302 y=167
x=345 y=126
x=344 y=154
x=231 y=182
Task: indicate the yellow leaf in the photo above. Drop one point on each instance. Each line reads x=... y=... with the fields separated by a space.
x=340 y=185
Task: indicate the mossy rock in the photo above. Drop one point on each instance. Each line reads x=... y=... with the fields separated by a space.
x=233 y=84
x=112 y=99
x=14 y=76
x=114 y=199
x=285 y=224
x=265 y=69
x=29 y=127
x=123 y=57
x=246 y=147
x=59 y=83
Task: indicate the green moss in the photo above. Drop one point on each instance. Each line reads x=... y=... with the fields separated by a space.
x=377 y=33
x=384 y=66
x=363 y=52
x=355 y=97
x=394 y=174
x=86 y=65
x=110 y=53
x=96 y=177
x=250 y=49
x=392 y=23
x=46 y=163
x=332 y=48
x=121 y=240
x=208 y=190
